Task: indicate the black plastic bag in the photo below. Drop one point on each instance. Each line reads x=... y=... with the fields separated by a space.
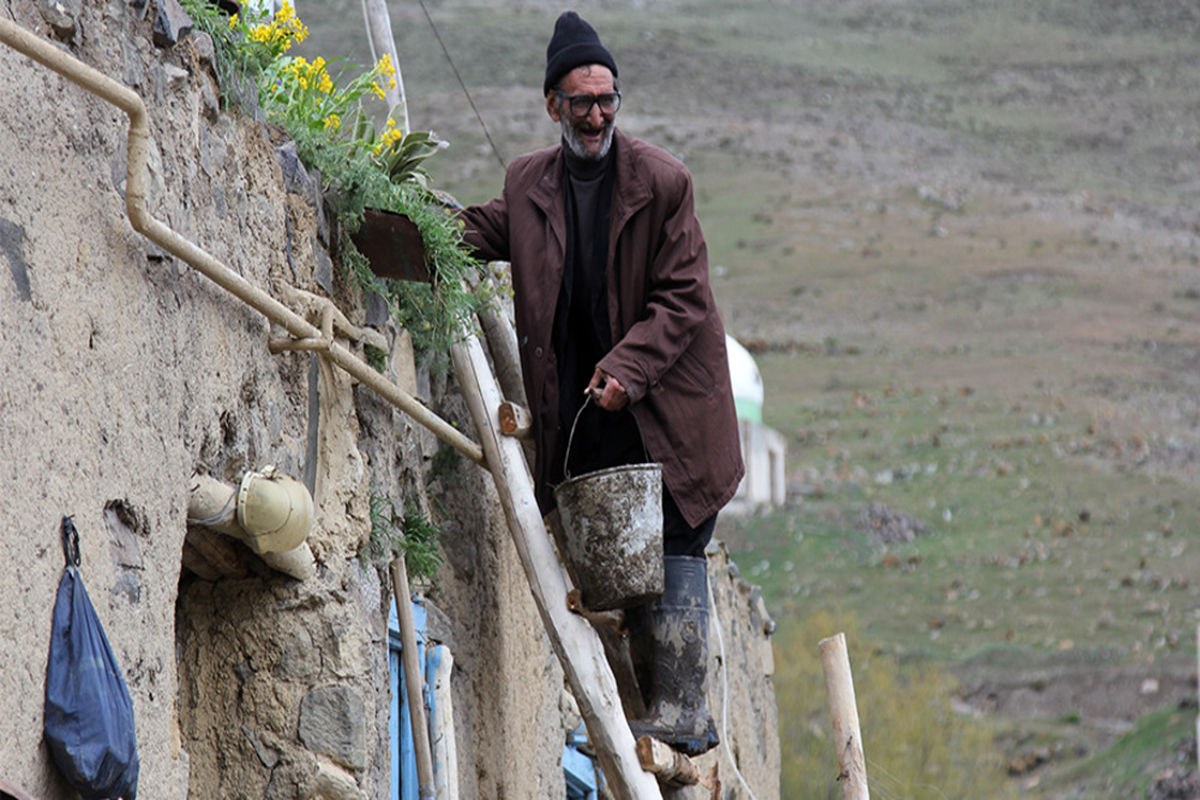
x=88 y=714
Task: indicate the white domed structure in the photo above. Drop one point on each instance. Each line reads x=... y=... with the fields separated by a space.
x=764 y=450
x=747 y=382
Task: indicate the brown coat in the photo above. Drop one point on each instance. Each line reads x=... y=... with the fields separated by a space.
x=670 y=343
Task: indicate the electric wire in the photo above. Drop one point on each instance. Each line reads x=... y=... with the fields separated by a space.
x=487 y=134
x=370 y=38
x=221 y=516
x=712 y=604
x=877 y=769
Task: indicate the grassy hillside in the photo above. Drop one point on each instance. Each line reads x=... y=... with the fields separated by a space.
x=962 y=238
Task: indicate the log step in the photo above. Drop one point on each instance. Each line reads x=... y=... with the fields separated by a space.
x=674 y=769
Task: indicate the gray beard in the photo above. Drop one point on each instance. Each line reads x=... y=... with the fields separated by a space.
x=571 y=137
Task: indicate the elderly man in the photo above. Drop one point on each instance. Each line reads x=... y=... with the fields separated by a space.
x=610 y=275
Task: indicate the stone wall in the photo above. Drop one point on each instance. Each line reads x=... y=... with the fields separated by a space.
x=123 y=372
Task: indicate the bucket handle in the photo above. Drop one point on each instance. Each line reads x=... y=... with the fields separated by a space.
x=587 y=398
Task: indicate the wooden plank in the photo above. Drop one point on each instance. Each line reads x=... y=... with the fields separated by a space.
x=574 y=642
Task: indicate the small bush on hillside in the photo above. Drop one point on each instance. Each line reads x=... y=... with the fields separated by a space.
x=916 y=745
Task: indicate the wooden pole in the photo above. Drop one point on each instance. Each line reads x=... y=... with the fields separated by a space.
x=440 y=662
x=413 y=679
x=843 y=714
x=502 y=344
x=379 y=30
x=669 y=766
x=574 y=641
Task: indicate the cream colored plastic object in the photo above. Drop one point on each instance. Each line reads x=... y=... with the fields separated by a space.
x=275 y=510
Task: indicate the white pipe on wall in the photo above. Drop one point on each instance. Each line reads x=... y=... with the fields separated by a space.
x=215 y=505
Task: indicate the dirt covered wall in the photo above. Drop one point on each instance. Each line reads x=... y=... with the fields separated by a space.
x=123 y=373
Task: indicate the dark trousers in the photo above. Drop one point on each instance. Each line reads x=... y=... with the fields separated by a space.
x=679 y=538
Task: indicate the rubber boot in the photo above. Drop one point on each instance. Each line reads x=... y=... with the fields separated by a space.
x=676 y=638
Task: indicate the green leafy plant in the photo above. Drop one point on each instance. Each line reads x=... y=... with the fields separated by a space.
x=401 y=155
x=444 y=467
x=436 y=314
x=268 y=36
x=404 y=531
x=302 y=95
x=324 y=113
x=246 y=44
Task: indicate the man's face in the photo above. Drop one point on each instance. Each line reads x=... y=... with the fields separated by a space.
x=588 y=136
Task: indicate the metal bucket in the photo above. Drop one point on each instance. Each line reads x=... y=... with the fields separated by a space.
x=612 y=534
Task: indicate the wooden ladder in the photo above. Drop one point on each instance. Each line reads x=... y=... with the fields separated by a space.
x=572 y=637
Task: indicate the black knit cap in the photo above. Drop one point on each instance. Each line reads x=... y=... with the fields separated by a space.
x=573 y=44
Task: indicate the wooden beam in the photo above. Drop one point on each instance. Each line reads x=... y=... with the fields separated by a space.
x=515 y=421
x=669 y=766
x=502 y=344
x=212 y=555
x=574 y=642
x=843 y=713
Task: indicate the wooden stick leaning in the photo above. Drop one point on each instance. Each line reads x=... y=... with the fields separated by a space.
x=413 y=679
x=379 y=32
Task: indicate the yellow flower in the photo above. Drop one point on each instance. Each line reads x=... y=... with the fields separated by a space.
x=326 y=85
x=233 y=21
x=333 y=122
x=392 y=83
x=385 y=66
x=296 y=67
x=281 y=32
x=389 y=137
x=377 y=90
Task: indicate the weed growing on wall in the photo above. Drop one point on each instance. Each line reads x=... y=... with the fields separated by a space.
x=361 y=168
x=406 y=532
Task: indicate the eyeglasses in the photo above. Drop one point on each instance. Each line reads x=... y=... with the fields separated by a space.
x=581 y=104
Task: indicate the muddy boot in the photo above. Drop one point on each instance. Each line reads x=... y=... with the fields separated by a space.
x=676 y=630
